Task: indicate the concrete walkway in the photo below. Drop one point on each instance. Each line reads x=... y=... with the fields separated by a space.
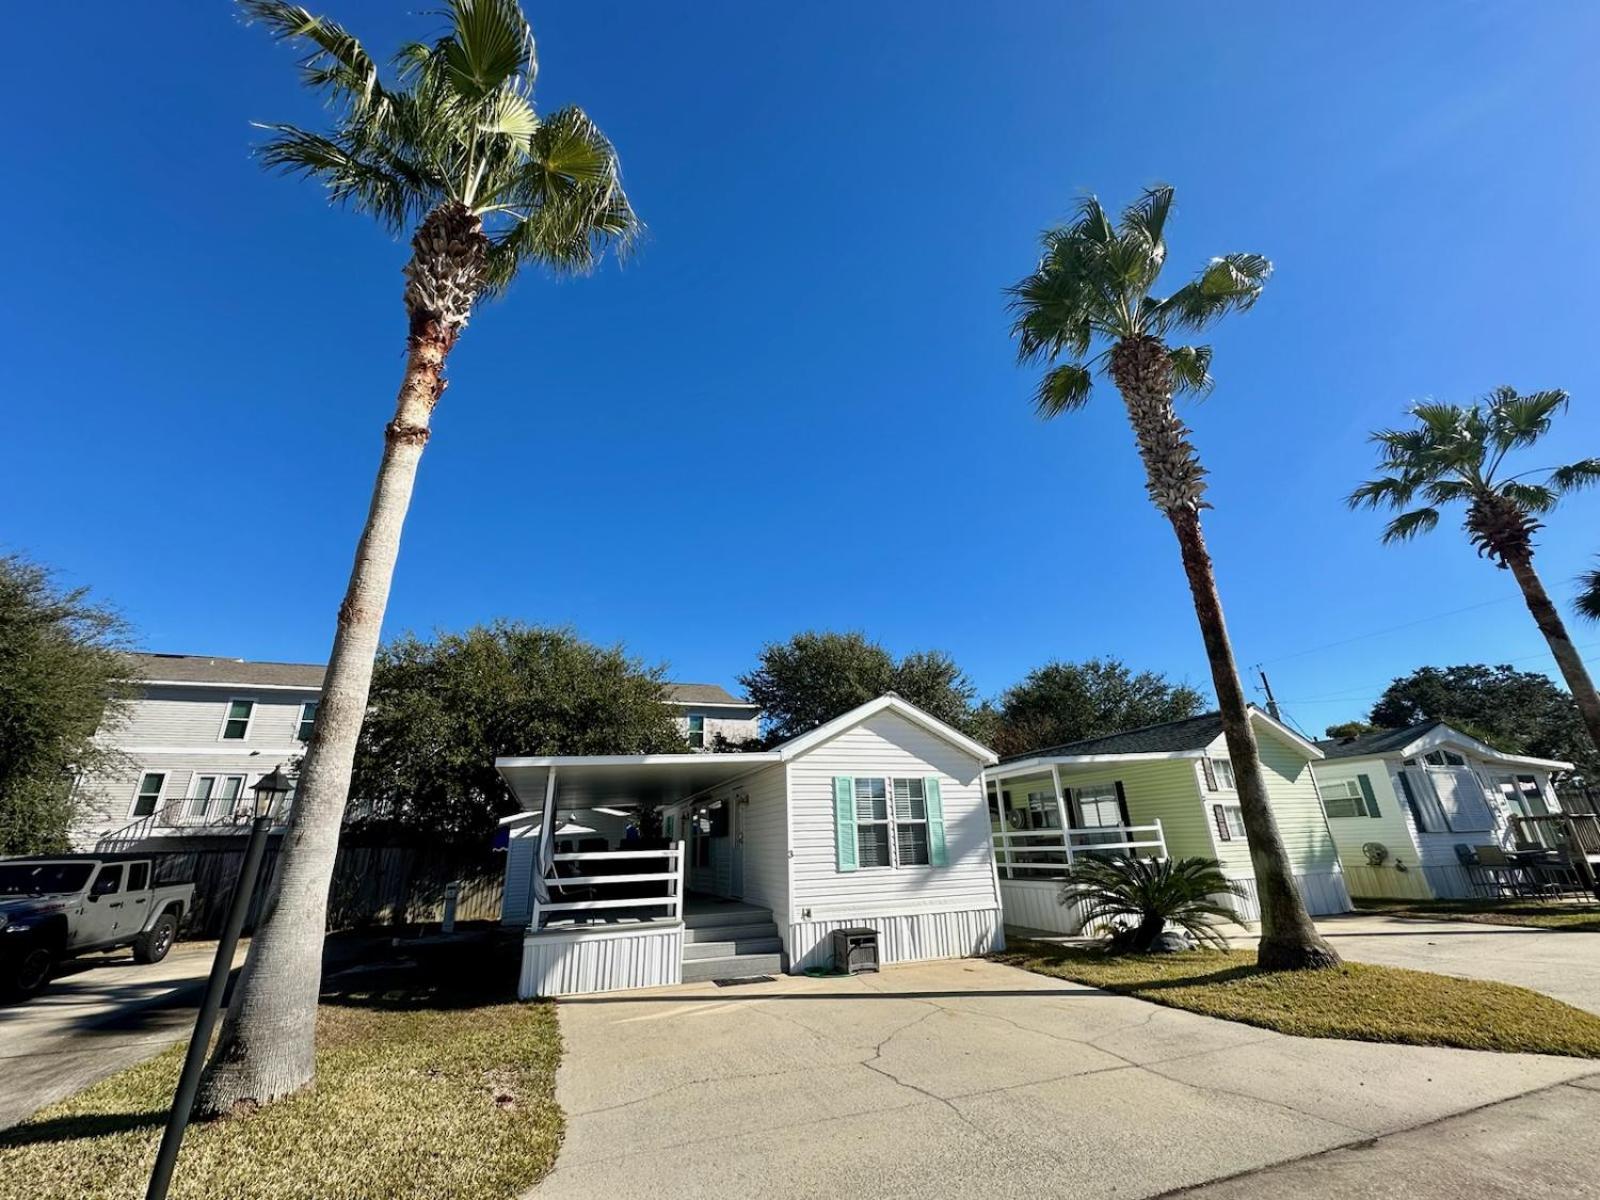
x=100 y=1015
x=1560 y=963
x=968 y=1078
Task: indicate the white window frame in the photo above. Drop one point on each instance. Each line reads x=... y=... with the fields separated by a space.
x=1233 y=814
x=690 y=731
x=1097 y=794
x=1351 y=792
x=892 y=823
x=1041 y=810
x=138 y=792
x=228 y=718
x=219 y=782
x=304 y=725
x=911 y=822
x=1218 y=765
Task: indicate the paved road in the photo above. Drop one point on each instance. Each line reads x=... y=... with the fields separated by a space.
x=103 y=1014
x=968 y=1078
x=1562 y=964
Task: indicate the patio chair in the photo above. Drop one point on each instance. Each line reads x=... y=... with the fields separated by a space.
x=1479 y=879
x=1507 y=873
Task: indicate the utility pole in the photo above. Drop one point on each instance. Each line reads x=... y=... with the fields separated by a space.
x=1272 y=703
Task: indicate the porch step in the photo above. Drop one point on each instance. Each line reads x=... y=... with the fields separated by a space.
x=735 y=966
x=761 y=943
x=730 y=933
x=721 y=915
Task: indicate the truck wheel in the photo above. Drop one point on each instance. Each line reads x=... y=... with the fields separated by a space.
x=27 y=974
x=152 y=945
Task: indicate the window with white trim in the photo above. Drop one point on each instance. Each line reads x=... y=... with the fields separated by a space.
x=1222 y=773
x=1444 y=758
x=308 y=720
x=910 y=823
x=1097 y=806
x=1343 y=798
x=891 y=823
x=697 y=731
x=214 y=795
x=1042 y=812
x=236 y=725
x=148 y=798
x=1231 y=818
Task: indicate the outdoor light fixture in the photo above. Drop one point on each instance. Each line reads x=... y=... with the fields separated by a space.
x=271 y=790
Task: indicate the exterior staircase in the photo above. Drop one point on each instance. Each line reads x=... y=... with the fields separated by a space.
x=730 y=941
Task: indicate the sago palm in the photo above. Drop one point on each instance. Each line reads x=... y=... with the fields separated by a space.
x=1135 y=899
x=1458 y=454
x=1093 y=290
x=449 y=149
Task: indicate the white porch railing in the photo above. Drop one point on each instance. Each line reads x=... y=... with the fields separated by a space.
x=1047 y=853
x=589 y=883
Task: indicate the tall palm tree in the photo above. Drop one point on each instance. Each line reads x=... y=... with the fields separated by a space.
x=452 y=151
x=1457 y=454
x=1092 y=288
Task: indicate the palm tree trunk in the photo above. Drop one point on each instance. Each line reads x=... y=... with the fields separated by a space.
x=267 y=1045
x=1548 y=618
x=1289 y=941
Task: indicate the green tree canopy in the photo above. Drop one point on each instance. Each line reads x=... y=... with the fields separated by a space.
x=441 y=710
x=1518 y=711
x=1349 y=729
x=1063 y=702
x=813 y=677
x=61 y=675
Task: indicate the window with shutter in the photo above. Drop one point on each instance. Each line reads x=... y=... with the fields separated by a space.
x=1222 y=823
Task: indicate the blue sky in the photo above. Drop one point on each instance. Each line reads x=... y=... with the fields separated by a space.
x=797 y=405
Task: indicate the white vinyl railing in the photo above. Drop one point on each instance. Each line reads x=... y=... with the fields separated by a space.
x=589 y=881
x=1047 y=853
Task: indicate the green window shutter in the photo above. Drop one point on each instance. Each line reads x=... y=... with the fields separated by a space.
x=936 y=850
x=844 y=821
x=1367 y=796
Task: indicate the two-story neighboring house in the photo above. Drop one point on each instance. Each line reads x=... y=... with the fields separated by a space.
x=198 y=735
x=707 y=711
x=201 y=731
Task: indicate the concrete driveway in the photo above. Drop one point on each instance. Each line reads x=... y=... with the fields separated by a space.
x=968 y=1078
x=99 y=1015
x=1559 y=963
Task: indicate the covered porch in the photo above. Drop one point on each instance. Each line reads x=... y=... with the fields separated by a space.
x=623 y=869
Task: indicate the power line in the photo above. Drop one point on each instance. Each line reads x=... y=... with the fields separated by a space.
x=1361 y=637
x=1362 y=691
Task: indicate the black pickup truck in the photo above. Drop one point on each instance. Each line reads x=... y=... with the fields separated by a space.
x=55 y=907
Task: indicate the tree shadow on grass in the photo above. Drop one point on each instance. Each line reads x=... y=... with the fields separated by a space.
x=76 y=1128
x=438 y=978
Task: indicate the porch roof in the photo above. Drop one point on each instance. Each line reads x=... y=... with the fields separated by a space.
x=584 y=781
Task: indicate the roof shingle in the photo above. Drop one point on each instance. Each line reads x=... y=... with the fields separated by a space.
x=1170 y=737
x=198 y=668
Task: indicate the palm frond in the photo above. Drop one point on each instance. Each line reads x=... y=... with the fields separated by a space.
x=1232 y=283
x=1064 y=388
x=1518 y=421
x=338 y=64
x=1191 y=368
x=1576 y=476
x=1409 y=524
x=489 y=48
x=1147 y=216
x=1588 y=599
x=1392 y=491
x=387 y=187
x=1151 y=893
x=1530 y=497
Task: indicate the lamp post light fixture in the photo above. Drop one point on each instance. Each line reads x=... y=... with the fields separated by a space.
x=270 y=791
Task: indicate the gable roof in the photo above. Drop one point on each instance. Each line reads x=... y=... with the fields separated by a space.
x=1186 y=738
x=1424 y=736
x=212 y=672
x=703 y=693
x=889 y=702
x=1379 y=741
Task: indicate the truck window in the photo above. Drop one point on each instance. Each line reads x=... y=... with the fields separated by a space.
x=138 y=876
x=108 y=882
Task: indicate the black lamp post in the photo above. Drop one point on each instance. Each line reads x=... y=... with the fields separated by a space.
x=270 y=792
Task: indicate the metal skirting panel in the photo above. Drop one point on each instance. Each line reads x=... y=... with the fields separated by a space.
x=905 y=937
x=1387 y=882
x=1032 y=904
x=1450 y=883
x=569 y=962
x=1324 y=894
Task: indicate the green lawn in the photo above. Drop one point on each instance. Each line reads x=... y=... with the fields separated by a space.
x=1576 y=916
x=420 y=1092
x=1356 y=1001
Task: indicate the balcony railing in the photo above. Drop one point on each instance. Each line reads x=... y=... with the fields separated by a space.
x=1047 y=853
x=187 y=816
x=601 y=884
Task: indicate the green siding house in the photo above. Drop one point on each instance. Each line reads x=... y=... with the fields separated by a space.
x=1160 y=790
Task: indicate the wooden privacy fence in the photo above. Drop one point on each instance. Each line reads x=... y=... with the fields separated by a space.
x=372 y=885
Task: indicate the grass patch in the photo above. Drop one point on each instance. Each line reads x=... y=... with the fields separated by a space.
x=1356 y=1001
x=420 y=1092
x=1580 y=917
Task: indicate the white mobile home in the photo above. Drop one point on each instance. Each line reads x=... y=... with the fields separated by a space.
x=876 y=820
x=1409 y=808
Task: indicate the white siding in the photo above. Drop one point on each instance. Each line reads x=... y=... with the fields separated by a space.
x=887 y=745
x=572 y=962
x=906 y=937
x=516 y=902
x=1392 y=828
x=764 y=824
